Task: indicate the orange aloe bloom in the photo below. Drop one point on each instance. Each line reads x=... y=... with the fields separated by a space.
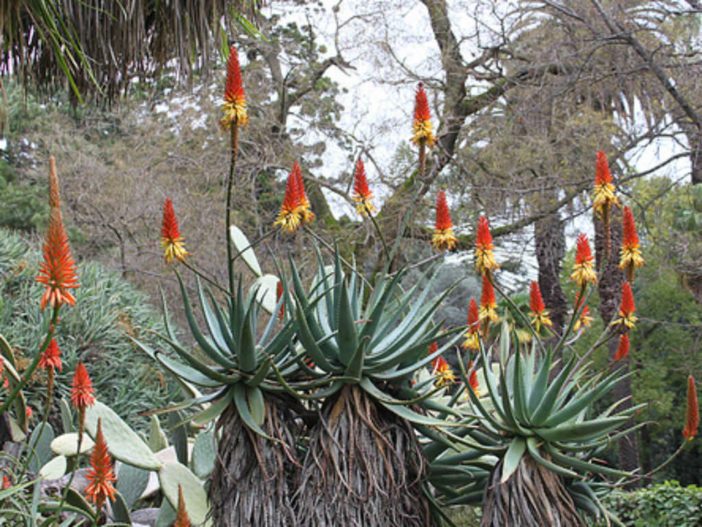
x=422 y=119
x=630 y=258
x=58 y=270
x=584 y=319
x=604 y=190
x=539 y=313
x=278 y=296
x=182 y=519
x=485 y=261
x=627 y=307
x=100 y=473
x=82 y=389
x=488 y=302
x=171 y=240
x=443 y=238
x=361 y=193
x=234 y=106
x=472 y=341
x=289 y=215
x=473 y=379
x=306 y=214
x=623 y=348
x=51 y=358
x=443 y=372
x=693 y=411
x=6 y=483
x=583 y=270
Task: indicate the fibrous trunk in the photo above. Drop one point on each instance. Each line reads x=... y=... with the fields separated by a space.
x=363 y=467
x=252 y=479
x=533 y=496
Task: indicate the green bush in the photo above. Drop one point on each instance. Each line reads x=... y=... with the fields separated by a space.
x=95 y=330
x=664 y=505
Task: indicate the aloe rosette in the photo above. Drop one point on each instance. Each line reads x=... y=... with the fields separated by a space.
x=242 y=362
x=535 y=428
x=367 y=343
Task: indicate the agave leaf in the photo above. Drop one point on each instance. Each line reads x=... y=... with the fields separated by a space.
x=257 y=405
x=375 y=315
x=547 y=402
x=504 y=343
x=213 y=326
x=580 y=402
x=346 y=337
x=242 y=407
x=540 y=383
x=413 y=417
x=580 y=431
x=513 y=456
x=519 y=389
x=213 y=411
x=211 y=351
x=186 y=373
x=310 y=342
x=267 y=292
x=584 y=466
x=532 y=445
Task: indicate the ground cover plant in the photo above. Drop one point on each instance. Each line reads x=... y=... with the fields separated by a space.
x=322 y=395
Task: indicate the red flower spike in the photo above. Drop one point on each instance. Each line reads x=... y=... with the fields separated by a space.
x=627 y=307
x=82 y=389
x=623 y=348
x=422 y=119
x=488 y=302
x=473 y=318
x=51 y=358
x=602 y=174
x=584 y=269
x=29 y=412
x=171 y=240
x=485 y=261
x=433 y=348
x=539 y=313
x=630 y=254
x=289 y=215
x=361 y=193
x=692 y=420
x=234 y=97
x=100 y=473
x=182 y=519
x=443 y=372
x=304 y=210
x=6 y=483
x=58 y=270
x=473 y=378
x=629 y=236
x=584 y=318
x=443 y=238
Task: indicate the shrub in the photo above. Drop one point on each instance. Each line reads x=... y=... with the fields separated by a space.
x=664 y=505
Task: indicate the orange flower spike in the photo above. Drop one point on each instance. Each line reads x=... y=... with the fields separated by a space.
x=289 y=215
x=100 y=474
x=182 y=519
x=422 y=119
x=539 y=313
x=584 y=319
x=278 y=295
x=443 y=239
x=171 y=240
x=604 y=190
x=485 y=261
x=473 y=379
x=6 y=483
x=488 y=302
x=692 y=420
x=473 y=335
x=51 y=358
x=623 y=348
x=361 y=193
x=584 y=269
x=443 y=372
x=304 y=210
x=81 y=393
x=58 y=270
x=54 y=195
x=234 y=106
x=433 y=348
x=627 y=307
x=630 y=253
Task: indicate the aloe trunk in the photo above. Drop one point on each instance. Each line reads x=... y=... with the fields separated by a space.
x=533 y=496
x=251 y=481
x=363 y=467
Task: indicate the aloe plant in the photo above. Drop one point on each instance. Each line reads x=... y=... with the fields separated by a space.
x=237 y=366
x=363 y=464
x=530 y=447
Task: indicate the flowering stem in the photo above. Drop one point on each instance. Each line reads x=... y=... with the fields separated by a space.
x=64 y=495
x=35 y=363
x=422 y=159
x=205 y=278
x=380 y=235
x=45 y=417
x=254 y=243
x=228 y=213
x=576 y=313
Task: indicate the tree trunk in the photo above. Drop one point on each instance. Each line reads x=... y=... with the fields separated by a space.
x=532 y=497
x=550 y=248
x=363 y=467
x=610 y=287
x=251 y=483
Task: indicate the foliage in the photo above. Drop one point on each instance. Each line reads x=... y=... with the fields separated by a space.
x=664 y=505
x=108 y=309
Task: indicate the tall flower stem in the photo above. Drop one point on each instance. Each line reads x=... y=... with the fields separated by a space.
x=380 y=235
x=228 y=212
x=422 y=159
x=35 y=362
